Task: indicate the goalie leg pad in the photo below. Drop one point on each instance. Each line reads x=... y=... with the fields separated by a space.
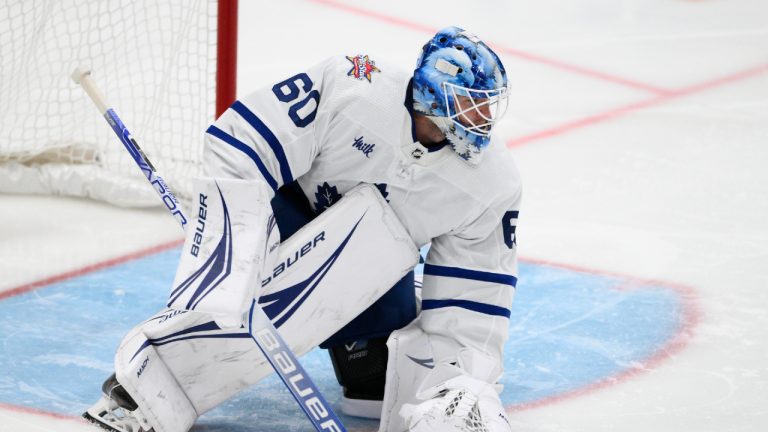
x=325 y=275
x=161 y=401
x=227 y=243
x=394 y=310
x=355 y=252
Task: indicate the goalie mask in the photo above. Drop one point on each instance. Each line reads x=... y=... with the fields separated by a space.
x=461 y=85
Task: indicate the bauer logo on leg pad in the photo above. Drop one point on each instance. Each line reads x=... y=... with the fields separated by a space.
x=199 y=226
x=337 y=265
x=292 y=259
x=226 y=245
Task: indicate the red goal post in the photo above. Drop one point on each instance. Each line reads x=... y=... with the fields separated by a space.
x=169 y=67
x=226 y=55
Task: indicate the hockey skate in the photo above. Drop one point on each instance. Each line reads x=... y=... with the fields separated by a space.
x=116 y=411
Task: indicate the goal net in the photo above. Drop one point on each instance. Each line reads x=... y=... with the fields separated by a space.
x=157 y=62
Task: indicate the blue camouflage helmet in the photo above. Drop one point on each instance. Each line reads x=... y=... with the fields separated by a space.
x=460 y=84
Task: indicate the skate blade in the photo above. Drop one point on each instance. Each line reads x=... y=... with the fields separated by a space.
x=96 y=422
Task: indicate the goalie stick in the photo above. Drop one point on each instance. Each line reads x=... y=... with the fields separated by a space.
x=260 y=328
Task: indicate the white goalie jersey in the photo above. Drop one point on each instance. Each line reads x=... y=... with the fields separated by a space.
x=347 y=121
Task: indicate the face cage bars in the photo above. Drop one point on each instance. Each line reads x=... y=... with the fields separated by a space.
x=496 y=101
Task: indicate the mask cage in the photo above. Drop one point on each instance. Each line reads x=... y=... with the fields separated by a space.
x=488 y=105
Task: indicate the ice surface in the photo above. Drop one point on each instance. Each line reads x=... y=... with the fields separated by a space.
x=644 y=162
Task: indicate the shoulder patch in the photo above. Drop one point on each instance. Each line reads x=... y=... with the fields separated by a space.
x=362 y=67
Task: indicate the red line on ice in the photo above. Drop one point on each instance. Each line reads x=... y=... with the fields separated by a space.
x=690 y=319
x=69 y=275
x=661 y=94
x=26 y=410
x=88 y=269
x=691 y=311
x=400 y=22
x=635 y=106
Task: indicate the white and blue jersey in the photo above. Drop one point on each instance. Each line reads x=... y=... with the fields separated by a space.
x=348 y=120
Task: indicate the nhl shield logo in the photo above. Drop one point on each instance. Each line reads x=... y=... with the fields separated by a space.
x=362 y=67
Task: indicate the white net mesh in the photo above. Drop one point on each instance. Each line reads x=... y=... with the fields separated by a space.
x=464 y=410
x=154 y=60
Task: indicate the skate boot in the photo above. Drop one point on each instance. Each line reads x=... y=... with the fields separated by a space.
x=116 y=411
x=361 y=370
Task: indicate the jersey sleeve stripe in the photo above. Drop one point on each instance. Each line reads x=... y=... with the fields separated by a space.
x=456 y=272
x=269 y=137
x=482 y=308
x=251 y=153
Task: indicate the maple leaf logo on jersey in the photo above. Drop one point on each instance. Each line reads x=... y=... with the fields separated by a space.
x=326 y=195
x=362 y=67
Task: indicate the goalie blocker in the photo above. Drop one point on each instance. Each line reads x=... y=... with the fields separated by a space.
x=180 y=364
